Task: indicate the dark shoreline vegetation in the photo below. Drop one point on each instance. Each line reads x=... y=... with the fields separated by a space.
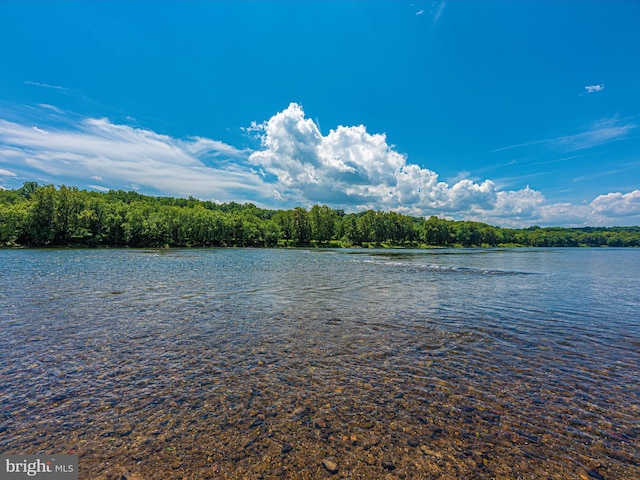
x=45 y=216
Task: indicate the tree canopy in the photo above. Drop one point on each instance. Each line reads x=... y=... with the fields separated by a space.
x=43 y=215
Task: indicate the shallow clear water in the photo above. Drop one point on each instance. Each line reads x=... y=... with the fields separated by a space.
x=239 y=363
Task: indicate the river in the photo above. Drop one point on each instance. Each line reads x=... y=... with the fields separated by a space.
x=257 y=363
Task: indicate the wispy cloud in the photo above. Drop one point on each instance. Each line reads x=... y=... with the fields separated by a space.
x=119 y=155
x=599 y=133
x=625 y=167
x=7 y=173
x=46 y=85
x=519 y=145
x=51 y=107
x=594 y=88
x=437 y=9
x=100 y=188
x=560 y=160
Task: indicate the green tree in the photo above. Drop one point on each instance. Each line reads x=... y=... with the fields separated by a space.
x=284 y=220
x=40 y=229
x=27 y=189
x=436 y=232
x=13 y=222
x=351 y=231
x=301 y=226
x=323 y=221
x=271 y=233
x=67 y=218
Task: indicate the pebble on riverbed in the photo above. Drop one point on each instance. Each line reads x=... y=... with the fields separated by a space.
x=320 y=423
x=331 y=465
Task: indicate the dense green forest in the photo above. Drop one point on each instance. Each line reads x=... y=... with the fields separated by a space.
x=43 y=215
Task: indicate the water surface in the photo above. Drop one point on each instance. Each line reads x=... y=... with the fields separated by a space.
x=240 y=363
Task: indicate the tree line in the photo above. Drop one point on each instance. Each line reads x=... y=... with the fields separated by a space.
x=43 y=215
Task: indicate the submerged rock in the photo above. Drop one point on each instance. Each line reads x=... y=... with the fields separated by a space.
x=596 y=475
x=388 y=464
x=286 y=448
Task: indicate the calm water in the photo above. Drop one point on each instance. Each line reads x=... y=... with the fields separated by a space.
x=263 y=363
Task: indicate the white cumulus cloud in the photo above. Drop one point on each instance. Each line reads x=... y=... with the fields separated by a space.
x=617 y=204
x=352 y=168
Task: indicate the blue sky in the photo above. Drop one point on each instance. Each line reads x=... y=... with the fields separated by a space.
x=514 y=113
